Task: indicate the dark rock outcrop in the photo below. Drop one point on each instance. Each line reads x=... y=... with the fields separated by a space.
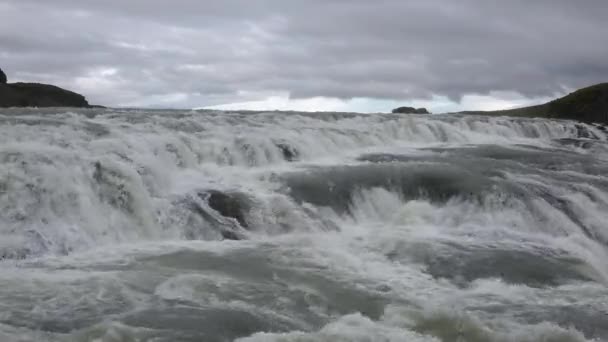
x=585 y=133
x=229 y=205
x=410 y=110
x=3 y=79
x=38 y=95
x=587 y=105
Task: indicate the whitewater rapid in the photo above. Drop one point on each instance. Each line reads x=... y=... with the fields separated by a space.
x=135 y=225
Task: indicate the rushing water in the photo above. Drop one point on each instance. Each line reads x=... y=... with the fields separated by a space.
x=216 y=226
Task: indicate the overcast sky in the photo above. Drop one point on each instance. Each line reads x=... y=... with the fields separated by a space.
x=359 y=55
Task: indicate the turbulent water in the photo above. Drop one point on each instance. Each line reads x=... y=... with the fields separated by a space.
x=218 y=226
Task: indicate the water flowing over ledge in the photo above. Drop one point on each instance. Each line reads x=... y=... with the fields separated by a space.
x=300 y=226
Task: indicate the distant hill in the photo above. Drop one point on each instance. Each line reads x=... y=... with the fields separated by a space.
x=588 y=105
x=38 y=95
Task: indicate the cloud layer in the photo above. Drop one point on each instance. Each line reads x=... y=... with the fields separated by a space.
x=187 y=53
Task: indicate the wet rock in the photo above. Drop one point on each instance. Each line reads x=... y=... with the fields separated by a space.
x=584 y=144
x=97 y=173
x=228 y=205
x=112 y=188
x=410 y=110
x=201 y=221
x=583 y=132
x=289 y=153
x=230 y=235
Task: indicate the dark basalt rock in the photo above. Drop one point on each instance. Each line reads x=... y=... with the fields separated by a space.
x=228 y=205
x=38 y=95
x=204 y=217
x=410 y=110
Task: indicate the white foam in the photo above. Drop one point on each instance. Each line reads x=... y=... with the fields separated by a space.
x=52 y=204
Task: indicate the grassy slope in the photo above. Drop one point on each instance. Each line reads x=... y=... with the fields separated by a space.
x=588 y=104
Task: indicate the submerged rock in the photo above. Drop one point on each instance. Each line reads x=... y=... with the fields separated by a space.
x=289 y=153
x=113 y=188
x=410 y=110
x=584 y=132
x=584 y=144
x=230 y=235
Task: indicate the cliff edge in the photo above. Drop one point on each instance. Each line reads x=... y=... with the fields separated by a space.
x=37 y=95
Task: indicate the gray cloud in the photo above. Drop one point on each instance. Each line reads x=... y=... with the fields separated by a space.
x=194 y=53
